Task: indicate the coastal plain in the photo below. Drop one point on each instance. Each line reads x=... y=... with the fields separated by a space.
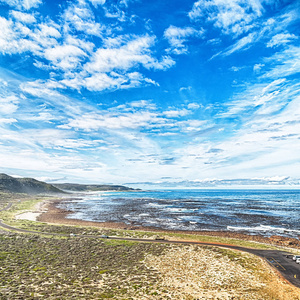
x=38 y=266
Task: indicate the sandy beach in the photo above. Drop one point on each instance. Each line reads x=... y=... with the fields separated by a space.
x=48 y=212
x=39 y=208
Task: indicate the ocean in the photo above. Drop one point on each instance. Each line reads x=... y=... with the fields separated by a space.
x=264 y=212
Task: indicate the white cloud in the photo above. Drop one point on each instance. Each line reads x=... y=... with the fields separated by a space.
x=68 y=143
x=14 y=38
x=49 y=30
x=232 y=17
x=113 y=80
x=193 y=105
x=86 y=46
x=92 y=122
x=54 y=47
x=268 y=134
x=193 y=125
x=44 y=92
x=236 y=69
x=216 y=182
x=7 y=35
x=8 y=120
x=274 y=178
x=81 y=17
x=165 y=63
x=176 y=113
x=243 y=20
x=135 y=52
x=110 y=68
x=43 y=36
x=258 y=67
x=23 y=17
x=143 y=104
x=114 y=11
x=97 y=2
x=258 y=97
x=23 y=4
x=9 y=105
x=102 y=81
x=65 y=57
x=285 y=63
x=281 y=39
x=178 y=36
x=41 y=116
x=185 y=88
x=40 y=88
x=242 y=44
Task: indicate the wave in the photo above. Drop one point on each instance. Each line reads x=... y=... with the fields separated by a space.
x=265 y=229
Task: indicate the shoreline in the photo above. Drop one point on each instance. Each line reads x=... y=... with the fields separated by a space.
x=50 y=213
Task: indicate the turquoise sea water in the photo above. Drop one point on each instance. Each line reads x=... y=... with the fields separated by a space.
x=265 y=212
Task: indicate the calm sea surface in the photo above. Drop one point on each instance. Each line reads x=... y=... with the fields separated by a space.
x=265 y=212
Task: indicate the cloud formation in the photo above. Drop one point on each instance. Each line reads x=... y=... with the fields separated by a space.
x=117 y=93
x=232 y=17
x=22 y=4
x=178 y=36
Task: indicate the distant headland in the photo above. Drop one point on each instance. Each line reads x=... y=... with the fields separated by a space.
x=33 y=186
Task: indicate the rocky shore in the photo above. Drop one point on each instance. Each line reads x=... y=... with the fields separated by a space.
x=74 y=266
x=50 y=213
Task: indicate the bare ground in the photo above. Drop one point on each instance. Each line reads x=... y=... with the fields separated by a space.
x=36 y=267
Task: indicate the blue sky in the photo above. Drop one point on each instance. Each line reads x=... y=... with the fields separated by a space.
x=165 y=93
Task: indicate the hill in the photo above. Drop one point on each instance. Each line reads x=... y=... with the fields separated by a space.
x=26 y=185
x=91 y=187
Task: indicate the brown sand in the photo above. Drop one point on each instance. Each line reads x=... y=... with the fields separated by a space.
x=50 y=213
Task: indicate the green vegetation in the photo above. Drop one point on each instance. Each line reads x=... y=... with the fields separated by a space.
x=7 y=197
x=20 y=203
x=37 y=266
x=26 y=185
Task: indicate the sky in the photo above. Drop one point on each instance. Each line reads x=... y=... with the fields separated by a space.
x=151 y=93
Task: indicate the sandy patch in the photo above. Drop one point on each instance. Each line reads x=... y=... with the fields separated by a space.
x=31 y=216
x=192 y=272
x=39 y=208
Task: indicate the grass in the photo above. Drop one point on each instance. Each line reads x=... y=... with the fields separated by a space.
x=37 y=266
x=23 y=204
x=52 y=268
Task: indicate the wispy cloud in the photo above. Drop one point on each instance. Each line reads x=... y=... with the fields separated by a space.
x=232 y=17
x=177 y=37
x=281 y=39
x=23 y=17
x=112 y=92
x=80 y=17
x=23 y=4
x=56 y=48
x=245 y=24
x=284 y=63
x=242 y=44
x=8 y=105
x=214 y=182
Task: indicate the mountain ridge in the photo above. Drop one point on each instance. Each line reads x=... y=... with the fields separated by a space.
x=26 y=185
x=76 y=187
x=33 y=186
